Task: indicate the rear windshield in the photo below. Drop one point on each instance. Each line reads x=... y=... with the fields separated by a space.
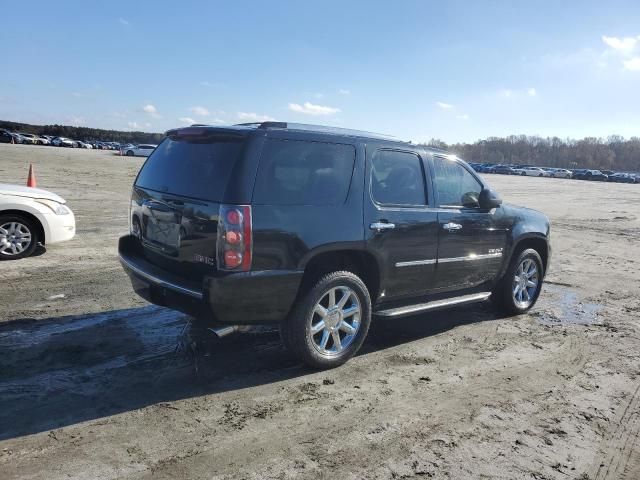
x=196 y=168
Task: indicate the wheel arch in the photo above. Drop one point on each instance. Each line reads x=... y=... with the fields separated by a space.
x=25 y=214
x=357 y=261
x=537 y=242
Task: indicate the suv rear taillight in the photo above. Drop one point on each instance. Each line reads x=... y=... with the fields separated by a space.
x=235 y=238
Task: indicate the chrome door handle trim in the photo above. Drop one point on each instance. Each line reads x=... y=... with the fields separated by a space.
x=452 y=226
x=382 y=226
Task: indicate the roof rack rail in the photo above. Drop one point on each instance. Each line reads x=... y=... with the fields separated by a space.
x=269 y=124
x=318 y=128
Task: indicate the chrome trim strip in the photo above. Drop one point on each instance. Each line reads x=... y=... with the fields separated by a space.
x=470 y=258
x=160 y=282
x=449 y=260
x=423 y=307
x=416 y=262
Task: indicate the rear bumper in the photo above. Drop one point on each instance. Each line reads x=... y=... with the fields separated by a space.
x=236 y=299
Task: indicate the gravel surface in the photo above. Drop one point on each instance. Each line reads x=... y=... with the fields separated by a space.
x=95 y=383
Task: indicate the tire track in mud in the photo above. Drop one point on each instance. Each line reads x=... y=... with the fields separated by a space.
x=619 y=448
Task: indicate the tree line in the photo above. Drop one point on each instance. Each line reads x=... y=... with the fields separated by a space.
x=83 y=133
x=611 y=153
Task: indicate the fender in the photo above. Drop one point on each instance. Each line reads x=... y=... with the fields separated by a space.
x=40 y=212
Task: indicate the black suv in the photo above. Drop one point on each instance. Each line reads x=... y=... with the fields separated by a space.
x=317 y=229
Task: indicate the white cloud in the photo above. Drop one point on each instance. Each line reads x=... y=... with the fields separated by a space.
x=123 y=21
x=200 y=111
x=77 y=94
x=133 y=125
x=464 y=116
x=217 y=121
x=444 y=106
x=632 y=64
x=344 y=91
x=187 y=120
x=624 y=45
x=254 y=117
x=507 y=93
x=531 y=92
x=151 y=110
x=310 y=109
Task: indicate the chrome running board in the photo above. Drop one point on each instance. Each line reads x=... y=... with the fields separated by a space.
x=436 y=304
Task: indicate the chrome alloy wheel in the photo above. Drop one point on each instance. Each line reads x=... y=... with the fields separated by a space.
x=525 y=283
x=15 y=238
x=335 y=321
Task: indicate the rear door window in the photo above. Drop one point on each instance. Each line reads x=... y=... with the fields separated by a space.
x=191 y=167
x=294 y=172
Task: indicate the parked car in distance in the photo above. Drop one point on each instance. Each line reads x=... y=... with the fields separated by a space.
x=17 y=138
x=622 y=178
x=41 y=140
x=585 y=174
x=487 y=168
x=28 y=138
x=531 y=172
x=317 y=229
x=504 y=170
x=6 y=136
x=143 y=150
x=29 y=216
x=561 y=173
x=62 y=142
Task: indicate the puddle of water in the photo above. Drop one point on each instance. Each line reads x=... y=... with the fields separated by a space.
x=563 y=307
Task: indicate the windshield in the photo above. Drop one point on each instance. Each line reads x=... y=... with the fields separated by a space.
x=195 y=168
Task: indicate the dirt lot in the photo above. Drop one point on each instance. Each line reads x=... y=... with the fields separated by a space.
x=97 y=384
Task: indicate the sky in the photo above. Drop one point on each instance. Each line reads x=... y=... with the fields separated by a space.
x=454 y=70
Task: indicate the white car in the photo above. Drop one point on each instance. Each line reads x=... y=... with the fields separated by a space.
x=62 y=142
x=139 y=151
x=532 y=172
x=562 y=173
x=29 y=216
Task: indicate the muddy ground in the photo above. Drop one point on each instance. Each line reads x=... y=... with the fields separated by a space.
x=94 y=383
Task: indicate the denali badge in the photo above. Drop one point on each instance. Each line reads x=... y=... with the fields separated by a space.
x=495 y=250
x=203 y=259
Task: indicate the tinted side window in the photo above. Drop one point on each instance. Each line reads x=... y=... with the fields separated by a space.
x=396 y=178
x=456 y=187
x=293 y=172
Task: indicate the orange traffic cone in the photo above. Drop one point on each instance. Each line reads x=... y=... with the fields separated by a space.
x=31 y=179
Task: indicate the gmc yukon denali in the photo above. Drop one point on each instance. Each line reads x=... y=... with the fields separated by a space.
x=318 y=229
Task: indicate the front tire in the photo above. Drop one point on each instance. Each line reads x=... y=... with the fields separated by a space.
x=330 y=321
x=520 y=287
x=18 y=237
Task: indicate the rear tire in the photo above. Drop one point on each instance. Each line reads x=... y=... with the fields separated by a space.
x=129 y=153
x=19 y=237
x=520 y=287
x=330 y=321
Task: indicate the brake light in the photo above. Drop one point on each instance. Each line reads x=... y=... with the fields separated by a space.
x=235 y=246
